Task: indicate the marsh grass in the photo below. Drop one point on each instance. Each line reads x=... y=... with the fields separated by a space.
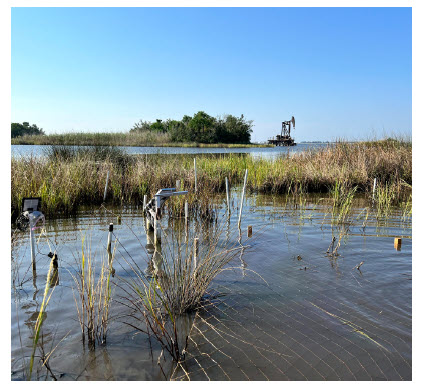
x=178 y=284
x=96 y=139
x=64 y=153
x=390 y=193
x=65 y=184
x=144 y=138
x=94 y=295
x=342 y=200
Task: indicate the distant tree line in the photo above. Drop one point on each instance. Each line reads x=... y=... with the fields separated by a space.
x=202 y=128
x=25 y=129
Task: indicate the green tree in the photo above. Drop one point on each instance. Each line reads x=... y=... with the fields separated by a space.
x=202 y=128
x=238 y=130
x=141 y=126
x=25 y=128
x=158 y=126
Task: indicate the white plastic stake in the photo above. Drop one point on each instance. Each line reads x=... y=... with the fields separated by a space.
x=186 y=210
x=32 y=241
x=106 y=186
x=228 y=196
x=157 y=231
x=196 y=180
x=374 y=187
x=111 y=229
x=195 y=252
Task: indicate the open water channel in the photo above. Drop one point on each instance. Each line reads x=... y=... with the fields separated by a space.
x=272 y=152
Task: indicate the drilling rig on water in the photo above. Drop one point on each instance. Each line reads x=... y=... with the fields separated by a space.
x=284 y=138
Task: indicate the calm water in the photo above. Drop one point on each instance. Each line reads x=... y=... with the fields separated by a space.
x=37 y=150
x=286 y=311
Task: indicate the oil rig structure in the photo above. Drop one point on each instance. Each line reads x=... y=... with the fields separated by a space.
x=284 y=138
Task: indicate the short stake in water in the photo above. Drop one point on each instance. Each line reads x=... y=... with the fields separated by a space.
x=374 y=188
x=177 y=185
x=54 y=278
x=242 y=198
x=249 y=231
x=397 y=244
x=109 y=247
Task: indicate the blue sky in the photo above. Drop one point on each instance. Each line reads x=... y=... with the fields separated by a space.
x=342 y=72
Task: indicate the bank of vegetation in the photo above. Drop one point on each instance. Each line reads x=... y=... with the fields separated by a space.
x=70 y=177
x=201 y=129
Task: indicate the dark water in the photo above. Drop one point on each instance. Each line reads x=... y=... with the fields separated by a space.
x=38 y=150
x=286 y=311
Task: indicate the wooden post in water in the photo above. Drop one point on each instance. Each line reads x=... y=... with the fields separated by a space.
x=106 y=186
x=228 y=196
x=397 y=243
x=177 y=185
x=195 y=252
x=196 y=180
x=109 y=248
x=249 y=231
x=242 y=198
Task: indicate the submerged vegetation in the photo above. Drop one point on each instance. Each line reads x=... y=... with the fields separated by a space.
x=66 y=179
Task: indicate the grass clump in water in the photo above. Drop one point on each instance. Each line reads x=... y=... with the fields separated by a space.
x=94 y=296
x=177 y=284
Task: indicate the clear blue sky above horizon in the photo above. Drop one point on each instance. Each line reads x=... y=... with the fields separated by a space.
x=342 y=72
